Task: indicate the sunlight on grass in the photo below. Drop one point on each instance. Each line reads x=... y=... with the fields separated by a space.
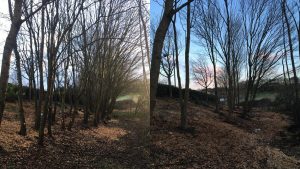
x=266 y=95
x=133 y=97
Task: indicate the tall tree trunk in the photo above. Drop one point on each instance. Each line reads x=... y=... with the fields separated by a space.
x=158 y=42
x=187 y=68
x=215 y=76
x=159 y=38
x=36 y=113
x=177 y=64
x=228 y=61
x=75 y=111
x=20 y=93
x=283 y=70
x=145 y=32
x=41 y=72
x=296 y=102
x=143 y=60
x=174 y=65
x=7 y=51
x=64 y=92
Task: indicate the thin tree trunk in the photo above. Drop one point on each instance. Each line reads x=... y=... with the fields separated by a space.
x=75 y=111
x=170 y=86
x=20 y=93
x=41 y=92
x=187 y=69
x=145 y=32
x=215 y=78
x=297 y=116
x=228 y=60
x=64 y=94
x=177 y=64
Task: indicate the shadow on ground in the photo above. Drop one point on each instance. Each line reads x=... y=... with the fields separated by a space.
x=122 y=143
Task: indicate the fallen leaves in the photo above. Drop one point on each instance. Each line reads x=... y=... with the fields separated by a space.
x=216 y=143
x=114 y=145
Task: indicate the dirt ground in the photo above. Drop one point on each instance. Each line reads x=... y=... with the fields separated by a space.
x=218 y=142
x=122 y=143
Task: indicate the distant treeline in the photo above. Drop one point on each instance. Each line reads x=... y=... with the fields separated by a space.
x=195 y=96
x=283 y=100
x=29 y=94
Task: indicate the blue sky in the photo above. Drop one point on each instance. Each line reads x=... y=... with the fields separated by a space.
x=156 y=10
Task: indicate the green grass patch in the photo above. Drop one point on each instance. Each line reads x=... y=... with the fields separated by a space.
x=132 y=96
x=266 y=95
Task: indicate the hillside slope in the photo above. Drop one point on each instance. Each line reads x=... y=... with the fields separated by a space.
x=215 y=142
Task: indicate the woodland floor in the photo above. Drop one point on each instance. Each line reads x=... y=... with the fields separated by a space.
x=262 y=141
x=122 y=143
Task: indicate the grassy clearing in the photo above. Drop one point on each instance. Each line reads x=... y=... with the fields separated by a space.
x=266 y=95
x=132 y=96
x=262 y=95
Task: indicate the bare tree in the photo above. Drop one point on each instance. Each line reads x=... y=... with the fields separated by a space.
x=187 y=68
x=262 y=31
x=16 y=22
x=167 y=61
x=202 y=74
x=159 y=38
x=20 y=93
x=289 y=33
x=177 y=63
x=205 y=29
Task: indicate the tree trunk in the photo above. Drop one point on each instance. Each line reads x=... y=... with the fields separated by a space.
x=246 y=105
x=206 y=93
x=86 y=116
x=228 y=60
x=20 y=93
x=145 y=32
x=177 y=64
x=37 y=114
x=75 y=99
x=159 y=38
x=295 y=106
x=187 y=69
x=64 y=94
x=41 y=92
x=170 y=86
x=7 y=51
x=215 y=76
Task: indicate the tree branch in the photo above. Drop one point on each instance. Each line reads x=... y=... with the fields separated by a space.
x=174 y=11
x=46 y=2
